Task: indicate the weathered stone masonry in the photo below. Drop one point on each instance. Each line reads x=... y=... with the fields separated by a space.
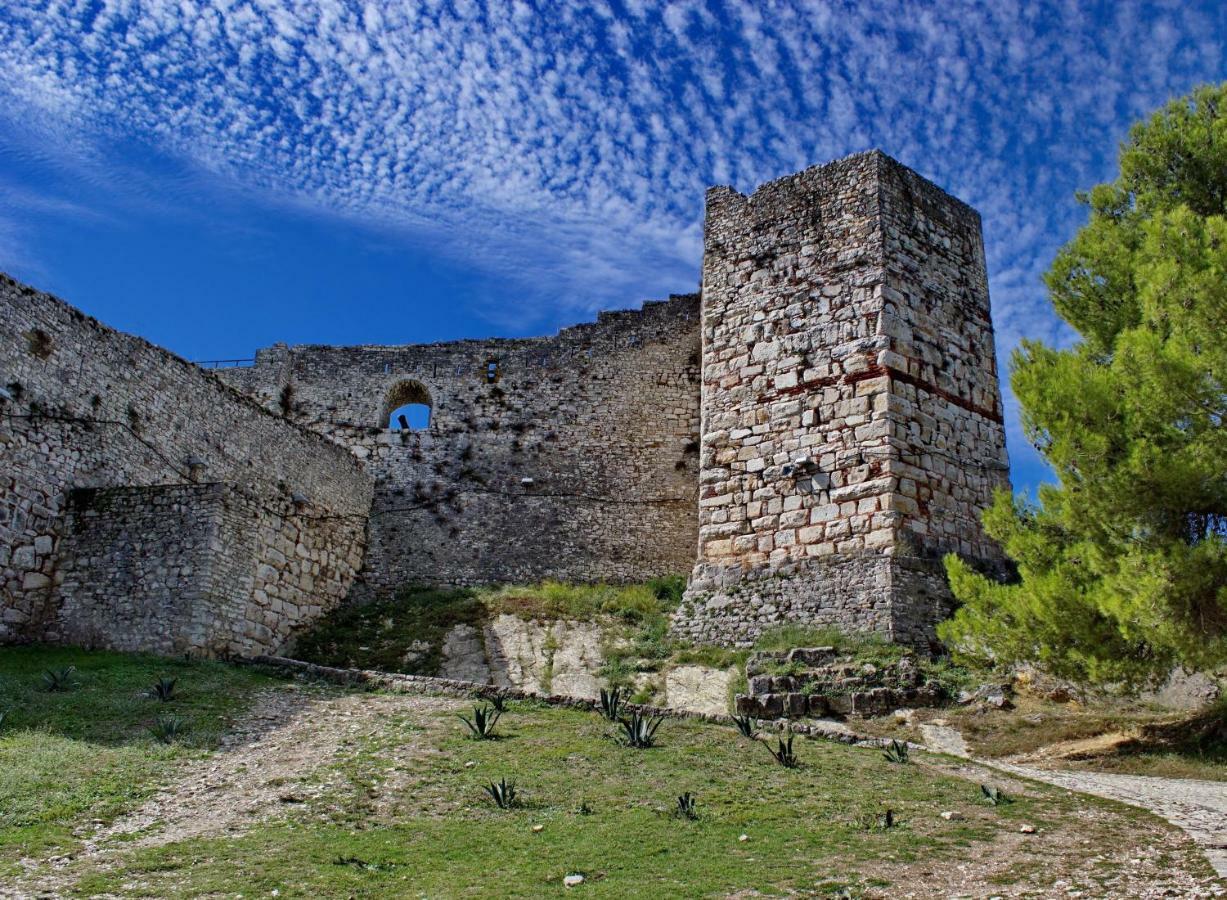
x=572 y=457
x=823 y=423
x=852 y=427
x=86 y=407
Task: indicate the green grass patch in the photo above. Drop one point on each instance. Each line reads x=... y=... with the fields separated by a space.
x=401 y=809
x=71 y=757
x=607 y=813
x=583 y=602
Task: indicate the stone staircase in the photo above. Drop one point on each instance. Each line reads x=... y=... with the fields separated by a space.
x=819 y=681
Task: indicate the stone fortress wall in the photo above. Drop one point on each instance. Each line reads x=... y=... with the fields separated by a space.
x=821 y=424
x=109 y=535
x=852 y=425
x=572 y=457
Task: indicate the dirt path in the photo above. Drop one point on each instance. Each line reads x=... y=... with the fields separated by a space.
x=1199 y=808
x=263 y=764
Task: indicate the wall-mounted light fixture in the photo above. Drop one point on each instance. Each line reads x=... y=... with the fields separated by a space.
x=526 y=482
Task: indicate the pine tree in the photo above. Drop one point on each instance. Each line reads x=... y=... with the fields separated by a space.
x=1123 y=563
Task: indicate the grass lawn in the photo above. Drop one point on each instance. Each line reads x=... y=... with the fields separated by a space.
x=383 y=797
x=71 y=757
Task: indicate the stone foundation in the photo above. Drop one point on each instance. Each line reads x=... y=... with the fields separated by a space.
x=899 y=598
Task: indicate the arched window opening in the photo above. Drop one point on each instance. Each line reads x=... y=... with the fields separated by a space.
x=410 y=417
x=493 y=373
x=408 y=407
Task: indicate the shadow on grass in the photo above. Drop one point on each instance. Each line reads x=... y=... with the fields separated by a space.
x=108 y=700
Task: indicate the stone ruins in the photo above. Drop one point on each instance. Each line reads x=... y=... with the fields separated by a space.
x=822 y=422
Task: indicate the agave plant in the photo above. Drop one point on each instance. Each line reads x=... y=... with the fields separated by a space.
x=746 y=726
x=896 y=752
x=503 y=793
x=994 y=795
x=887 y=819
x=611 y=703
x=481 y=726
x=686 y=807
x=639 y=731
x=168 y=729
x=163 y=689
x=784 y=755
x=59 y=679
x=499 y=701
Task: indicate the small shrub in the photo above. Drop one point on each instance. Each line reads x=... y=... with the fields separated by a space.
x=163 y=690
x=59 y=680
x=639 y=731
x=611 y=703
x=647 y=693
x=779 y=667
x=994 y=795
x=784 y=754
x=686 y=807
x=584 y=808
x=896 y=752
x=503 y=793
x=481 y=726
x=669 y=589
x=746 y=726
x=877 y=821
x=40 y=343
x=168 y=729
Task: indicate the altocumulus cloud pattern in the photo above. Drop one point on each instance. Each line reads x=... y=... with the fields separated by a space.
x=572 y=141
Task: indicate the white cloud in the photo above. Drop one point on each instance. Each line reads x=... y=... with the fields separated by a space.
x=573 y=142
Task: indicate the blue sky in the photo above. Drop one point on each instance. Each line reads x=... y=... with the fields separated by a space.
x=217 y=175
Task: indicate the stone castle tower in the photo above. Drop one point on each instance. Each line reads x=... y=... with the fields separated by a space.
x=822 y=422
x=851 y=420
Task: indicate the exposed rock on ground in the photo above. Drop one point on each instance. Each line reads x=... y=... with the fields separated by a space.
x=819 y=681
x=699 y=688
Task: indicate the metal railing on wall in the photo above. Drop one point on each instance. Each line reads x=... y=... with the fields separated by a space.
x=226 y=363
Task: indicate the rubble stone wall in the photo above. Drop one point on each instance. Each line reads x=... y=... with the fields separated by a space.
x=86 y=406
x=571 y=457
